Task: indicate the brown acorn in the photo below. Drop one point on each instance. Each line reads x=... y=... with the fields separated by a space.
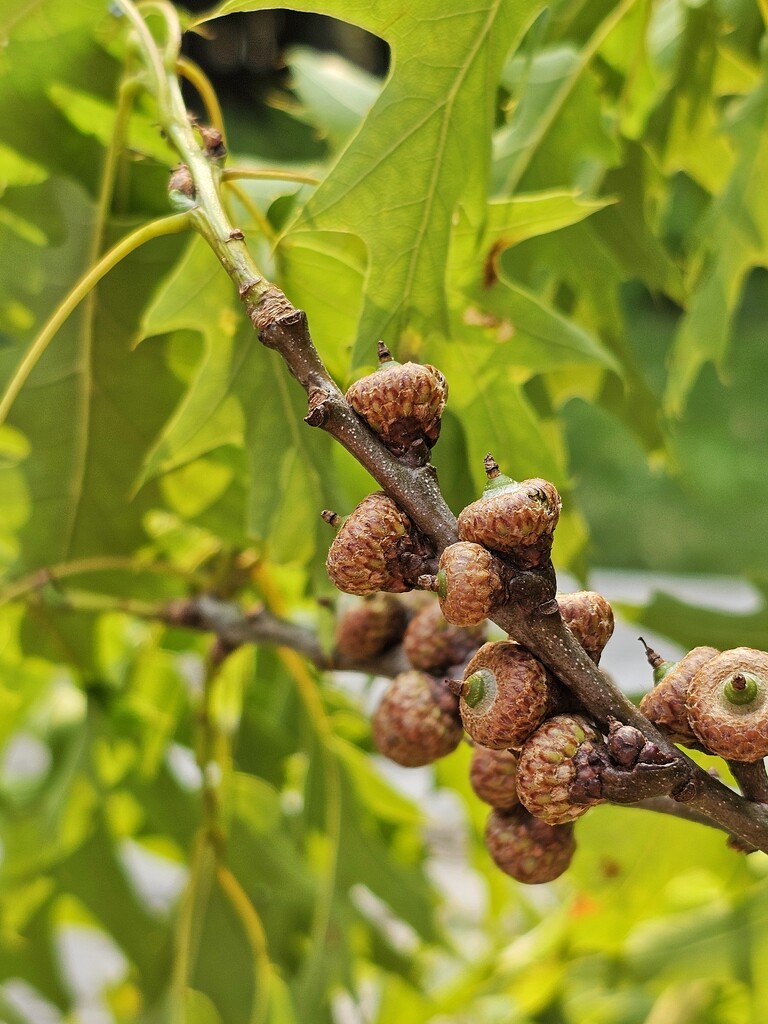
x=369 y=627
x=527 y=848
x=664 y=705
x=371 y=548
x=417 y=720
x=468 y=583
x=493 y=775
x=727 y=704
x=505 y=695
x=434 y=645
x=589 y=617
x=401 y=402
x=548 y=768
x=516 y=519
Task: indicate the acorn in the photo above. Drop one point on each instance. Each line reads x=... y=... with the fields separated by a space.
x=371 y=548
x=549 y=768
x=369 y=627
x=493 y=776
x=527 y=848
x=727 y=704
x=505 y=695
x=515 y=519
x=468 y=583
x=589 y=617
x=434 y=645
x=416 y=721
x=401 y=402
x=665 y=704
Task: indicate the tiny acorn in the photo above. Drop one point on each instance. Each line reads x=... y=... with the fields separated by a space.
x=589 y=616
x=505 y=695
x=549 y=770
x=665 y=704
x=493 y=776
x=468 y=583
x=401 y=402
x=527 y=848
x=727 y=704
x=416 y=721
x=371 y=548
x=433 y=644
x=367 y=628
x=517 y=519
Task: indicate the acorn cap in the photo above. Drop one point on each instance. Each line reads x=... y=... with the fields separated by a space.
x=665 y=704
x=548 y=768
x=469 y=584
x=366 y=554
x=589 y=616
x=505 y=694
x=401 y=402
x=493 y=775
x=369 y=627
x=727 y=704
x=416 y=721
x=516 y=519
x=432 y=644
x=527 y=848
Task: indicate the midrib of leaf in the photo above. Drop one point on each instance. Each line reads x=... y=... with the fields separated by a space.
x=438 y=160
x=82 y=447
x=585 y=56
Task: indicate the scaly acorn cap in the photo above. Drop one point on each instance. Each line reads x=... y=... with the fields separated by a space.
x=727 y=704
x=367 y=552
x=369 y=627
x=401 y=402
x=493 y=776
x=665 y=704
x=527 y=848
x=548 y=768
x=469 y=584
x=417 y=720
x=589 y=616
x=505 y=695
x=433 y=645
x=516 y=519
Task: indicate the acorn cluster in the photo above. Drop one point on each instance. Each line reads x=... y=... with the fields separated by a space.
x=538 y=760
x=531 y=746
x=715 y=701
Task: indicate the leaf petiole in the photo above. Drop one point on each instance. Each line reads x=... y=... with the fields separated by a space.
x=172 y=225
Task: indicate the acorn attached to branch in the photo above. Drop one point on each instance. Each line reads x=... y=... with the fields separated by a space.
x=373 y=548
x=505 y=695
x=416 y=721
x=432 y=644
x=468 y=584
x=727 y=704
x=665 y=704
x=369 y=627
x=527 y=848
x=589 y=617
x=493 y=776
x=553 y=765
x=401 y=402
x=516 y=519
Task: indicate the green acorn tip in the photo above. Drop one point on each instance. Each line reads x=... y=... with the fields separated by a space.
x=658 y=664
x=386 y=359
x=741 y=688
x=495 y=478
x=479 y=690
